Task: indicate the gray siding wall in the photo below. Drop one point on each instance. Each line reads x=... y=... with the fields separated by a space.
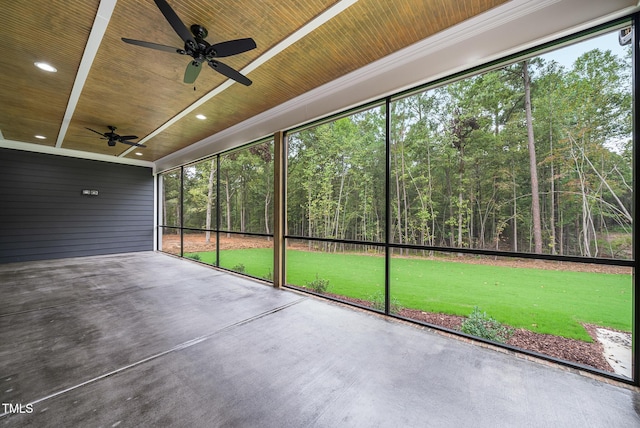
x=43 y=214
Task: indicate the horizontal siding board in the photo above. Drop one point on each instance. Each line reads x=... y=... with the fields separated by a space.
x=54 y=253
x=64 y=246
x=12 y=235
x=44 y=215
x=19 y=241
x=69 y=217
x=52 y=240
x=76 y=194
x=66 y=221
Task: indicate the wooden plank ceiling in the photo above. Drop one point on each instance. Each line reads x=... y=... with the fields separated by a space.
x=141 y=90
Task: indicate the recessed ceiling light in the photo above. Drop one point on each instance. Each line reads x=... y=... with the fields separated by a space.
x=201 y=116
x=138 y=153
x=46 y=67
x=40 y=137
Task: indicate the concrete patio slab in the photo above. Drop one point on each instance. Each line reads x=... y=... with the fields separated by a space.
x=146 y=339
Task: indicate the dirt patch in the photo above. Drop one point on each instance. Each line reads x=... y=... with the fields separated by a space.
x=540 y=264
x=195 y=242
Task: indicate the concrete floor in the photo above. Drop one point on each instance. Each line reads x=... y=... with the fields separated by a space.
x=148 y=340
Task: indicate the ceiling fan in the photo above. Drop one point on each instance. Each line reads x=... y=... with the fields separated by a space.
x=114 y=138
x=198 y=48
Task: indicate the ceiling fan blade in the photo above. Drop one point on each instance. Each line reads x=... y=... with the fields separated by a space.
x=131 y=143
x=231 y=47
x=175 y=21
x=128 y=137
x=152 y=45
x=99 y=133
x=192 y=72
x=229 y=72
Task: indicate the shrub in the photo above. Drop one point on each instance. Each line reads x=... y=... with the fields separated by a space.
x=195 y=256
x=377 y=303
x=482 y=325
x=318 y=285
x=239 y=268
x=268 y=276
x=618 y=246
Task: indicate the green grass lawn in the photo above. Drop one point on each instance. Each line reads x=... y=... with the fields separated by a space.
x=544 y=301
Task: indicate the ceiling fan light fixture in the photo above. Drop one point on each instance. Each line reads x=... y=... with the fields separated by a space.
x=45 y=66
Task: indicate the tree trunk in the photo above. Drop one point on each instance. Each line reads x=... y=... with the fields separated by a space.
x=432 y=233
x=450 y=199
x=533 y=165
x=164 y=202
x=561 y=234
x=404 y=196
x=552 y=211
x=363 y=225
x=460 y=196
x=336 y=228
x=243 y=216
x=267 y=202
x=461 y=168
x=515 y=212
x=212 y=175
x=398 y=206
x=552 y=190
x=309 y=225
x=586 y=210
x=228 y=197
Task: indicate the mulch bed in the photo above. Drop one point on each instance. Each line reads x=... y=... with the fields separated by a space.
x=576 y=351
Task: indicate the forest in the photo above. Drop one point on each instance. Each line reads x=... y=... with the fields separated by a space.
x=533 y=156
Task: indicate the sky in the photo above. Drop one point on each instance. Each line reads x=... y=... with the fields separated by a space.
x=566 y=56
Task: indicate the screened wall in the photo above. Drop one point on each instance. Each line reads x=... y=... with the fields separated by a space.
x=219 y=211
x=497 y=204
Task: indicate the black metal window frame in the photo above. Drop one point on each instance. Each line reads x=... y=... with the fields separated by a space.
x=390 y=246
x=217 y=230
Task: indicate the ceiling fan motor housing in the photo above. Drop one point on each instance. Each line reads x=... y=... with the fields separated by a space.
x=199 y=31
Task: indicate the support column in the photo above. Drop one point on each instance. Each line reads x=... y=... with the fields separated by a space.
x=635 y=329
x=279 y=207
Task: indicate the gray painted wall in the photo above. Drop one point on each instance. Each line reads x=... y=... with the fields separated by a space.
x=43 y=214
